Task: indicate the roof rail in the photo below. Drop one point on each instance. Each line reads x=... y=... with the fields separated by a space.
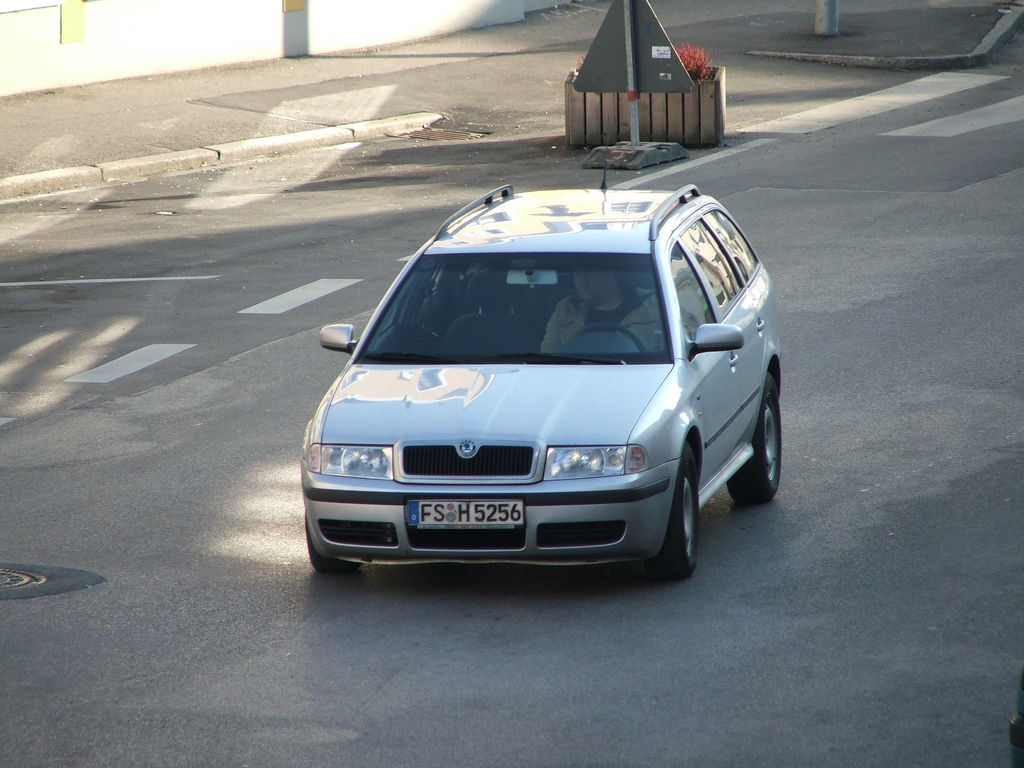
x=481 y=202
x=679 y=198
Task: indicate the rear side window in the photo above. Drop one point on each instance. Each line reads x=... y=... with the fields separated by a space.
x=713 y=263
x=734 y=241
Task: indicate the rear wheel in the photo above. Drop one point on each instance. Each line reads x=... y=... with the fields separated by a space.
x=758 y=480
x=323 y=564
x=677 y=558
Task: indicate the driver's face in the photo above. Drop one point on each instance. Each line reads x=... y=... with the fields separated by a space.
x=597 y=289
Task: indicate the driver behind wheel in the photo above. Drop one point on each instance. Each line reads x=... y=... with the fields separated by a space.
x=602 y=299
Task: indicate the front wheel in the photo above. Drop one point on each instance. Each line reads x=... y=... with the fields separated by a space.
x=758 y=480
x=677 y=558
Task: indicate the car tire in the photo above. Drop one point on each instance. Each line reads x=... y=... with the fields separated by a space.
x=323 y=564
x=757 y=481
x=677 y=558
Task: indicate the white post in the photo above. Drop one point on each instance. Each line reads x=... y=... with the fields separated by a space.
x=826 y=17
x=634 y=107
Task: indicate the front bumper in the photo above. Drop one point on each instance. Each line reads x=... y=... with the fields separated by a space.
x=600 y=519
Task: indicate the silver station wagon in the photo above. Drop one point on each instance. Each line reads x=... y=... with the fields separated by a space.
x=558 y=376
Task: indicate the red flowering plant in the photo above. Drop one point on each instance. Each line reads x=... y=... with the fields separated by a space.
x=696 y=61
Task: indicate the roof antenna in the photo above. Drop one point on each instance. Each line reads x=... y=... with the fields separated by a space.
x=604 y=176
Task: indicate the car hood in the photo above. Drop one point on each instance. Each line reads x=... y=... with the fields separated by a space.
x=550 y=404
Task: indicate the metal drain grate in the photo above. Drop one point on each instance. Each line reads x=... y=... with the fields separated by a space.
x=442 y=134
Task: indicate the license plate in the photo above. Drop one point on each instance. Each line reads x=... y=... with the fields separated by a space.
x=463 y=513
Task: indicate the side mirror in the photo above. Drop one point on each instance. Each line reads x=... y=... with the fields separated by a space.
x=339 y=338
x=713 y=337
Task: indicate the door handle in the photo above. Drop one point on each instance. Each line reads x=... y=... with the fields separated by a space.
x=760 y=324
x=733 y=359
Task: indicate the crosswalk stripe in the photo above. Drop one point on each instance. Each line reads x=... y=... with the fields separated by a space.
x=297 y=297
x=922 y=89
x=1009 y=111
x=126 y=364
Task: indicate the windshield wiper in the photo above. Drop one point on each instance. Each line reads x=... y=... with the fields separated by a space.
x=402 y=357
x=505 y=357
x=546 y=357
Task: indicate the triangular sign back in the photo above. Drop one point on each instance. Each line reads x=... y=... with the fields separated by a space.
x=657 y=65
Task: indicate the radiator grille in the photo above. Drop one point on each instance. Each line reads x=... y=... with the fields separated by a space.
x=445 y=461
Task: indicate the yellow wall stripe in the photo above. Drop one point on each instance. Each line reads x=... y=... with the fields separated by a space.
x=72 y=21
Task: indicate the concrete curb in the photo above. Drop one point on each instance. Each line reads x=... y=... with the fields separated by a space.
x=62 y=179
x=247 y=149
x=376 y=129
x=153 y=165
x=42 y=182
x=1004 y=30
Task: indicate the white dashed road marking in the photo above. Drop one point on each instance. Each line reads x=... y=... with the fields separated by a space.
x=297 y=297
x=127 y=364
x=103 y=281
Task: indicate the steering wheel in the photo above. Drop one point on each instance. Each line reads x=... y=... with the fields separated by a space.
x=613 y=328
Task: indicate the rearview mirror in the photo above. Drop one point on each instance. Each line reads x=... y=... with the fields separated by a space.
x=339 y=338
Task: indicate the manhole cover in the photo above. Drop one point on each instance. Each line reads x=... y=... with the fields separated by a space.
x=442 y=134
x=18 y=582
x=12 y=577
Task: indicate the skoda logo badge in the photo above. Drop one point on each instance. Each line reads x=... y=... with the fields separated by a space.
x=468 y=449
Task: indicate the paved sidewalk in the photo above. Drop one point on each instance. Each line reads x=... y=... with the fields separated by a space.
x=506 y=81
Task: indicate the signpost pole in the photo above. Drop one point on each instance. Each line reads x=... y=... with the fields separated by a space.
x=631 y=94
x=826 y=18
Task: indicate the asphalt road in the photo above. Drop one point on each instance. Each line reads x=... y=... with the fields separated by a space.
x=873 y=614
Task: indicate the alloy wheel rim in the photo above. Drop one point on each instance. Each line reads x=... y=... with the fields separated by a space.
x=771 y=443
x=688 y=517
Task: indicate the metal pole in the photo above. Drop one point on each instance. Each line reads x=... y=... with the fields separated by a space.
x=634 y=107
x=826 y=18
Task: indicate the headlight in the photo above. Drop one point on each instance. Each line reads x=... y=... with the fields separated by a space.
x=594 y=461
x=351 y=460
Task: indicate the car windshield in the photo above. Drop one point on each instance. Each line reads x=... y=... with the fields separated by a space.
x=533 y=308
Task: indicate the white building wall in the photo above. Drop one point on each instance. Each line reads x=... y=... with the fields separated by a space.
x=128 y=38
x=338 y=25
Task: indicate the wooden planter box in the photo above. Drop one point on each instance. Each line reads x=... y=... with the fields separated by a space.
x=695 y=119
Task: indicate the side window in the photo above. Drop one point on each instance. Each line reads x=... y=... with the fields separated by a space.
x=713 y=262
x=693 y=304
x=729 y=234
